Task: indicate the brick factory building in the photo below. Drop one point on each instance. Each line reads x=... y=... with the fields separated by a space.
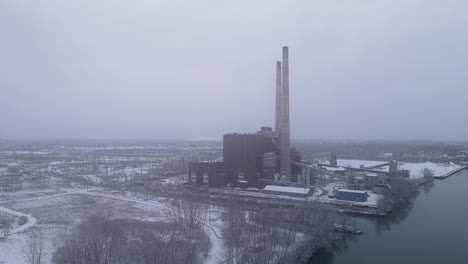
x=244 y=155
x=207 y=173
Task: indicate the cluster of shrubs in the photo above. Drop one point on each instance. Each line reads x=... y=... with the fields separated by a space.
x=102 y=240
x=22 y=220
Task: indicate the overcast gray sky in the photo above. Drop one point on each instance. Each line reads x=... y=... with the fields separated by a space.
x=395 y=69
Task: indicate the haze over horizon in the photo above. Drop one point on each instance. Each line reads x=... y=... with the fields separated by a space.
x=178 y=69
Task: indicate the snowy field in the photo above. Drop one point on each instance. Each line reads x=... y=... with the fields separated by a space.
x=52 y=211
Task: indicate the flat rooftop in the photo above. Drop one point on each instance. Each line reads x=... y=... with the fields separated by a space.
x=286 y=189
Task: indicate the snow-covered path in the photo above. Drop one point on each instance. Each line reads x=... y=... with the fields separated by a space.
x=31 y=220
x=38 y=198
x=215 y=256
x=109 y=196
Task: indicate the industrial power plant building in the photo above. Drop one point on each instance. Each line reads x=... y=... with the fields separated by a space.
x=249 y=158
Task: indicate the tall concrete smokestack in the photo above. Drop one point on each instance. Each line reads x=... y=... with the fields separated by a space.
x=278 y=97
x=285 y=144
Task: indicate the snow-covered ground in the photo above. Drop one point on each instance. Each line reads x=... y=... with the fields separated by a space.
x=11 y=249
x=22 y=152
x=415 y=169
x=179 y=179
x=91 y=178
x=372 y=199
x=59 y=209
x=62 y=210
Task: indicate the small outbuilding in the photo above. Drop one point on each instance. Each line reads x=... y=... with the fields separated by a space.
x=351 y=195
x=13 y=169
x=371 y=180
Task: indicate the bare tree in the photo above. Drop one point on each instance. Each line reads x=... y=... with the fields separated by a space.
x=399 y=190
x=100 y=240
x=5 y=225
x=234 y=231
x=95 y=241
x=34 y=249
x=428 y=173
x=154 y=250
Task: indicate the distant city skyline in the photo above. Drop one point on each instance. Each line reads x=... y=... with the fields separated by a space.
x=361 y=70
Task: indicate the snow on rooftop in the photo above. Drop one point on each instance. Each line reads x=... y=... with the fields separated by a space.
x=213 y=160
x=286 y=189
x=385 y=155
x=357 y=163
x=334 y=168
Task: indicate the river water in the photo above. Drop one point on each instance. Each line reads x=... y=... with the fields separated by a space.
x=431 y=228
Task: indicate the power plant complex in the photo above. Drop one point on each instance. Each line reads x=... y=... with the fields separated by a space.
x=265 y=160
x=256 y=158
